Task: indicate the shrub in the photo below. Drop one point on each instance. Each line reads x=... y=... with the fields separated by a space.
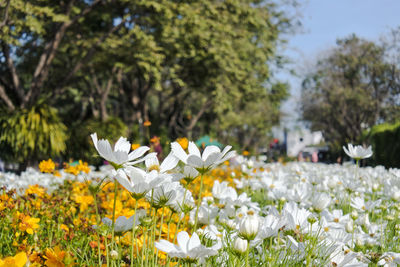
x=385 y=142
x=27 y=135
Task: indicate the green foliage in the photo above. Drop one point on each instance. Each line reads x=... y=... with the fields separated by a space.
x=190 y=67
x=80 y=145
x=349 y=90
x=385 y=144
x=33 y=134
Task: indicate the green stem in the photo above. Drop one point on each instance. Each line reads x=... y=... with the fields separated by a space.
x=176 y=230
x=161 y=225
x=98 y=225
x=134 y=233
x=144 y=244
x=247 y=255
x=198 y=203
x=382 y=233
x=107 y=253
x=113 y=216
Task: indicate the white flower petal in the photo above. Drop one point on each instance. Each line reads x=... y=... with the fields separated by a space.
x=212 y=159
x=138 y=152
x=194 y=242
x=183 y=239
x=152 y=161
x=178 y=151
x=210 y=150
x=169 y=163
x=94 y=139
x=122 y=145
x=165 y=246
x=195 y=161
x=105 y=150
x=193 y=149
x=123 y=179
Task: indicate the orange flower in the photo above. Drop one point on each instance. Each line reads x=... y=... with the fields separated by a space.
x=155 y=140
x=54 y=257
x=147 y=123
x=18 y=260
x=47 y=166
x=245 y=153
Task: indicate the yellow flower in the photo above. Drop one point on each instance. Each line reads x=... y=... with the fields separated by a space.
x=28 y=223
x=64 y=227
x=147 y=123
x=184 y=142
x=47 y=166
x=245 y=153
x=71 y=169
x=83 y=167
x=35 y=189
x=54 y=257
x=18 y=260
x=35 y=259
x=83 y=201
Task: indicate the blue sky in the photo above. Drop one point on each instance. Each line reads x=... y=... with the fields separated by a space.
x=324 y=21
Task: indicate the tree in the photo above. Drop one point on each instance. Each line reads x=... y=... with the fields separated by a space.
x=190 y=67
x=349 y=90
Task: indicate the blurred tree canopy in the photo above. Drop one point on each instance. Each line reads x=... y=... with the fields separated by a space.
x=352 y=89
x=190 y=67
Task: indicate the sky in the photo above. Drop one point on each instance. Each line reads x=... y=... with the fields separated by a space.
x=323 y=22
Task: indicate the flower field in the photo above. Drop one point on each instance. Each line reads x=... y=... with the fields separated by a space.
x=208 y=208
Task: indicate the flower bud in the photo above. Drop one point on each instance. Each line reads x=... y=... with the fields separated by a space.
x=396 y=196
x=114 y=254
x=240 y=245
x=349 y=227
x=354 y=215
x=231 y=224
x=359 y=242
x=249 y=227
x=383 y=207
x=375 y=187
x=146 y=221
x=311 y=219
x=389 y=217
x=320 y=202
x=365 y=220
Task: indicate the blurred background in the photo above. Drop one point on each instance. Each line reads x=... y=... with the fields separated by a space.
x=294 y=80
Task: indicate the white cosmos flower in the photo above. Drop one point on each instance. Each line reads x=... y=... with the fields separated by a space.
x=188 y=247
x=123 y=224
x=240 y=245
x=137 y=181
x=358 y=152
x=248 y=228
x=321 y=201
x=120 y=154
x=163 y=195
x=212 y=156
x=168 y=163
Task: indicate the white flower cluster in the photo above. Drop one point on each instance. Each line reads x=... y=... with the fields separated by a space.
x=275 y=205
x=47 y=180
